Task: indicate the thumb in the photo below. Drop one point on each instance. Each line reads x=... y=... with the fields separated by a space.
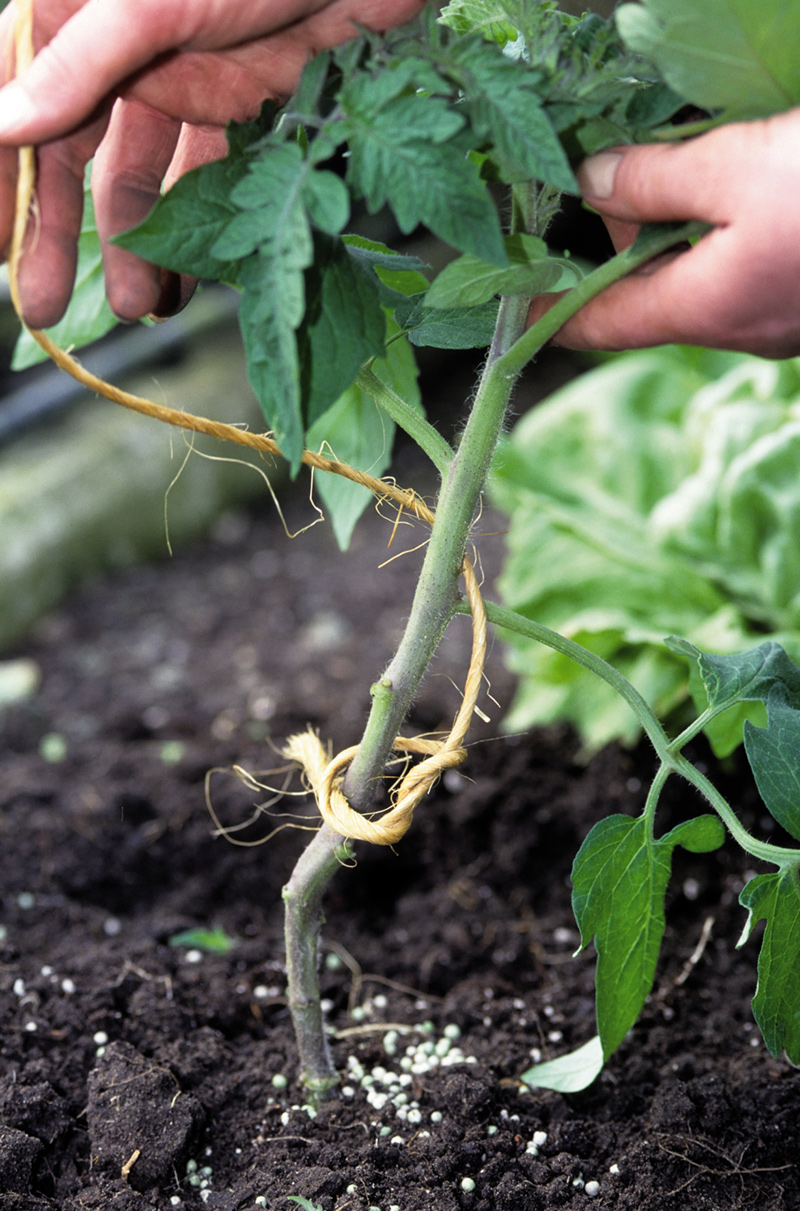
x=657 y=183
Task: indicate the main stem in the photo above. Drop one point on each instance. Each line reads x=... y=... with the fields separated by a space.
x=434 y=604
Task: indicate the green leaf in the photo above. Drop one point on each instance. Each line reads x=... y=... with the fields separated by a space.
x=272 y=308
x=743 y=676
x=619 y=880
x=212 y=941
x=469 y=281
x=344 y=326
x=492 y=18
x=88 y=316
x=569 y=1073
x=775 y=898
x=181 y=230
x=773 y=755
x=505 y=110
x=460 y=328
x=405 y=156
x=269 y=201
x=730 y=55
x=356 y=431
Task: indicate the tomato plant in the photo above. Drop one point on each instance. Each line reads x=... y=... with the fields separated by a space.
x=464 y=117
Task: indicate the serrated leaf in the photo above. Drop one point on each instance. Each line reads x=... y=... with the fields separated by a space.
x=404 y=156
x=505 y=109
x=356 y=431
x=469 y=281
x=775 y=898
x=343 y=327
x=743 y=676
x=619 y=880
x=492 y=19
x=181 y=229
x=88 y=315
x=730 y=55
x=272 y=307
x=569 y=1073
x=268 y=199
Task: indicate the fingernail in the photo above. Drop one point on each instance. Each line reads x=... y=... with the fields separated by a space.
x=16 y=110
x=596 y=175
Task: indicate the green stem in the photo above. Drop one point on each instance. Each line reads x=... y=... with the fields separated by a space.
x=776 y=854
x=650 y=243
x=435 y=602
x=512 y=621
x=433 y=607
x=671 y=760
x=408 y=418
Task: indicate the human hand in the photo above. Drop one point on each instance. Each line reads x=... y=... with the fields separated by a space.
x=146 y=87
x=739 y=287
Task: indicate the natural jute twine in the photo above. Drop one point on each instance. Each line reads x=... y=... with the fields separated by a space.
x=323 y=776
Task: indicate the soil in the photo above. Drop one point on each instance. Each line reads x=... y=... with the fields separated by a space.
x=133 y=1069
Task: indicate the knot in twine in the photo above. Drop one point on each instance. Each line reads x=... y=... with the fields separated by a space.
x=325 y=776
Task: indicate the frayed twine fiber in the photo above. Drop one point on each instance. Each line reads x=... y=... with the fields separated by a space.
x=324 y=776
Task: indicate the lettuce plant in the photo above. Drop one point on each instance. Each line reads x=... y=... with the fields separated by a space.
x=492 y=100
x=661 y=494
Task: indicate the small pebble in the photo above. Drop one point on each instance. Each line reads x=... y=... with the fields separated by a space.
x=592 y=1189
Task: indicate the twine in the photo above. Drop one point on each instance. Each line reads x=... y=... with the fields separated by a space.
x=324 y=776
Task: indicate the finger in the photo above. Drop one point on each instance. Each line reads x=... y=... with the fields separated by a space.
x=197 y=145
x=657 y=183
x=687 y=301
x=103 y=44
x=47 y=266
x=126 y=183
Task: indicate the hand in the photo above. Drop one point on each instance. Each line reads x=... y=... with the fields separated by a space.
x=739 y=287
x=146 y=87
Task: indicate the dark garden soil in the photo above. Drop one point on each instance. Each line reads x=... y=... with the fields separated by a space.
x=132 y=1070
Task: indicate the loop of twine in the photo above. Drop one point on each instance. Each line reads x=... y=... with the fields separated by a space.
x=325 y=776
x=305 y=748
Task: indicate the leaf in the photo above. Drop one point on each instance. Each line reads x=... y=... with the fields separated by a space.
x=493 y=19
x=505 y=109
x=269 y=203
x=569 y=1073
x=619 y=880
x=212 y=941
x=88 y=315
x=272 y=308
x=356 y=431
x=775 y=898
x=404 y=156
x=344 y=326
x=773 y=755
x=743 y=676
x=469 y=281
x=401 y=274
x=181 y=230
x=460 y=328
x=730 y=55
